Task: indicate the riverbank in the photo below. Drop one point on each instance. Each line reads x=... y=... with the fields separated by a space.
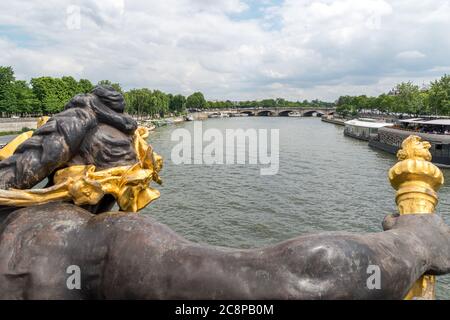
x=17 y=125
x=14 y=126
x=11 y=133
x=152 y=124
x=337 y=121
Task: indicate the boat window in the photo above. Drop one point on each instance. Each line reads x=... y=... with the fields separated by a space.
x=446 y=150
x=438 y=150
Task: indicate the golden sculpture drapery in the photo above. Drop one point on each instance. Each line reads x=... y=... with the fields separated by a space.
x=82 y=184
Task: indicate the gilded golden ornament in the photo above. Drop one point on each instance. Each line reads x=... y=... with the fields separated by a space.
x=83 y=185
x=417 y=181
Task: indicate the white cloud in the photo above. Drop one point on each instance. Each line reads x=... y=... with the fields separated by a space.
x=230 y=48
x=414 y=54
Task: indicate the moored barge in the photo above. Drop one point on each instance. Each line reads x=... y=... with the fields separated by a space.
x=362 y=128
x=436 y=132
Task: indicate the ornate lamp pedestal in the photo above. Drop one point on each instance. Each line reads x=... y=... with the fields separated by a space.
x=417 y=180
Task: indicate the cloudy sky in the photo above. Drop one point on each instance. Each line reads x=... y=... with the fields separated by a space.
x=231 y=49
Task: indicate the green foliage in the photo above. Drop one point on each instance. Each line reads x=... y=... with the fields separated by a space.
x=196 y=101
x=26 y=100
x=385 y=103
x=409 y=99
x=146 y=102
x=7 y=96
x=268 y=103
x=116 y=86
x=177 y=103
x=221 y=104
x=48 y=91
x=161 y=102
x=439 y=96
x=405 y=98
x=54 y=93
x=6 y=76
x=85 y=86
x=48 y=95
x=16 y=96
x=348 y=105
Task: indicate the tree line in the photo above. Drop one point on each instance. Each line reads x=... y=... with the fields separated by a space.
x=404 y=99
x=48 y=95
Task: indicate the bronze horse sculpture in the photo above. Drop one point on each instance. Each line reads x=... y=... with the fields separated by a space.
x=94 y=155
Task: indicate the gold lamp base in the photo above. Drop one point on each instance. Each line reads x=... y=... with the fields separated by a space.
x=417 y=181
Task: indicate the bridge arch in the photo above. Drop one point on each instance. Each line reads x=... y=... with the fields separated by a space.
x=265 y=113
x=313 y=113
x=285 y=113
x=249 y=113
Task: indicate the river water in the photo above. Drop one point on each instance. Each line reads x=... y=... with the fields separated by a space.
x=326 y=182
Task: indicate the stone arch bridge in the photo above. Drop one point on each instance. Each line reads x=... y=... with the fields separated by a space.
x=284 y=112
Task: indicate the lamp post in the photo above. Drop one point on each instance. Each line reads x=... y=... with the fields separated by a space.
x=417 y=181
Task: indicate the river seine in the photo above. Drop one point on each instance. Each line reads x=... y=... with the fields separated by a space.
x=325 y=182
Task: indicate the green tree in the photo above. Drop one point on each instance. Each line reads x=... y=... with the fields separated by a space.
x=177 y=103
x=85 y=86
x=146 y=102
x=348 y=105
x=7 y=96
x=385 y=103
x=116 y=86
x=281 y=103
x=54 y=93
x=196 y=101
x=268 y=103
x=26 y=101
x=361 y=103
x=409 y=99
x=439 y=96
x=68 y=87
x=138 y=102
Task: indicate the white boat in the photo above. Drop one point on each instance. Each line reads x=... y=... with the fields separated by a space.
x=236 y=115
x=215 y=115
x=363 y=128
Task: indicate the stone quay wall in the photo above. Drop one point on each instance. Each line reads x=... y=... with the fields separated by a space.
x=16 y=124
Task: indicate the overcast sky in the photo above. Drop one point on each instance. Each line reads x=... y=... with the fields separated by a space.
x=231 y=49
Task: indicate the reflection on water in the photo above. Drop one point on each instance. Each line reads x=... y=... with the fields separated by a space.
x=326 y=182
